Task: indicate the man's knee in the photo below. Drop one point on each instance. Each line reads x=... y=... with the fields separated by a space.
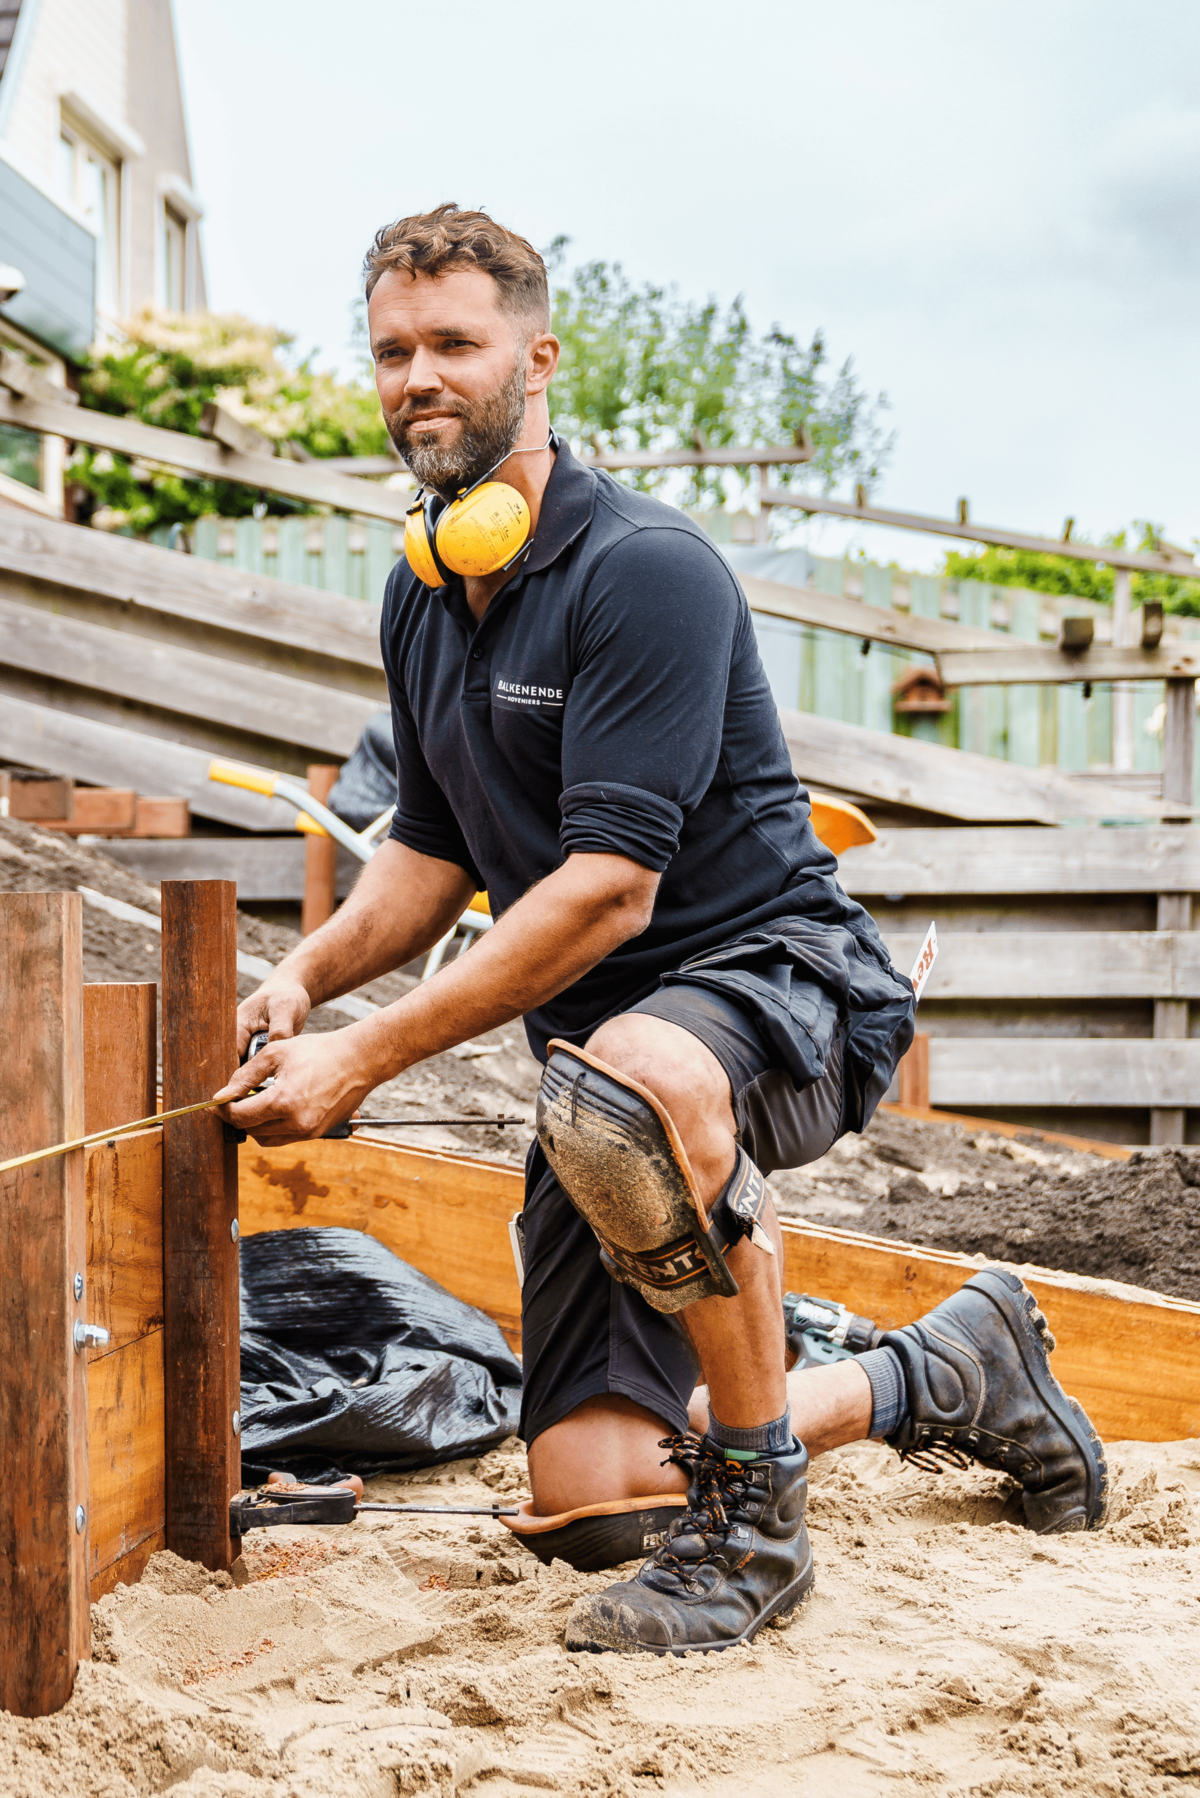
x=682 y=1073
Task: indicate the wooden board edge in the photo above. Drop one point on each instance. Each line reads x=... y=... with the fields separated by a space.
x=128 y=1568
x=929 y=1114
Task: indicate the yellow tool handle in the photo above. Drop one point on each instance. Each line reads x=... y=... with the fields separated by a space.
x=309 y=826
x=236 y=774
x=83 y=1142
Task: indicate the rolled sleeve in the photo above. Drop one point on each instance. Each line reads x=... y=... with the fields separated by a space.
x=605 y=818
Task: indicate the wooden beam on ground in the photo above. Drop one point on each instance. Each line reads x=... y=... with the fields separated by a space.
x=198 y=455
x=1057 y=964
x=996 y=862
x=1128 y=1356
x=953 y=783
x=174 y=677
x=1026 y=663
x=263 y=868
x=44 y=1499
x=1087 y=1145
x=447 y=1215
x=160 y=583
x=320 y=857
x=200 y=1208
x=1165 y=561
x=1051 y=1071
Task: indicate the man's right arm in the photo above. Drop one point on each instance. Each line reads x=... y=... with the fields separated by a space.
x=402 y=904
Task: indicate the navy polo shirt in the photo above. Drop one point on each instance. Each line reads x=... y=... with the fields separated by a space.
x=611 y=700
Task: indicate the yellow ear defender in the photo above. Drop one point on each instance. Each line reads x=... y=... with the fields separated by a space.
x=481 y=532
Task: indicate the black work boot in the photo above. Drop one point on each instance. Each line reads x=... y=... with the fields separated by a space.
x=737 y=1558
x=979 y=1387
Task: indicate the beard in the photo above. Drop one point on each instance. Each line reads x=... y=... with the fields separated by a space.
x=490 y=428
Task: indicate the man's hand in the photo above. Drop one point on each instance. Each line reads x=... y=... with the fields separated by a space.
x=315 y=1083
x=280 y=1007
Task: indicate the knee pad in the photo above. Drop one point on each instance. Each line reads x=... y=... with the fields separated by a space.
x=620 y=1161
x=598 y=1536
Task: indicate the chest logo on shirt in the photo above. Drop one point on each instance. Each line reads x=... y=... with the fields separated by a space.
x=529 y=694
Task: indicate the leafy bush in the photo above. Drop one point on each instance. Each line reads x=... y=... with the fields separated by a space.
x=1046 y=573
x=166 y=370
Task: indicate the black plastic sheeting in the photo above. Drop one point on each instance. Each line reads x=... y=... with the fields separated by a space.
x=353 y=1362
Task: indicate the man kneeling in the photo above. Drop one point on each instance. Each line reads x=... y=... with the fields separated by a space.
x=582 y=726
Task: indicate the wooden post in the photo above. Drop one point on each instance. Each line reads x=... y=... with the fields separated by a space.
x=200 y=1259
x=762 y=518
x=320 y=858
x=44 y=1498
x=1168 y=1124
x=914 y=1073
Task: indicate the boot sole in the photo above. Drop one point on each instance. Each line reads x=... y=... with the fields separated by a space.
x=1031 y=1332
x=779 y=1614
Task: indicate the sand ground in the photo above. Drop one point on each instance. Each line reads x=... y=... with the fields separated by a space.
x=946 y=1650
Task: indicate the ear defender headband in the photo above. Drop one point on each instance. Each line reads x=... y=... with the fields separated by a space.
x=483 y=531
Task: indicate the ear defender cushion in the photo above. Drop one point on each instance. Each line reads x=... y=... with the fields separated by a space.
x=598 y=1536
x=417 y=550
x=484 y=530
x=620 y=1161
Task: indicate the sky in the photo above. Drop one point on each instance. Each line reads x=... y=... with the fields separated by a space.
x=993 y=208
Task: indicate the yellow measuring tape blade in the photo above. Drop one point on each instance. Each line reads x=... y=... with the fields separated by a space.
x=83 y=1142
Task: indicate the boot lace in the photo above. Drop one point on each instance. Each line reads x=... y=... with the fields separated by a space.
x=716 y=1487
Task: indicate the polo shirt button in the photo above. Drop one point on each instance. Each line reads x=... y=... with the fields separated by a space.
x=477 y=655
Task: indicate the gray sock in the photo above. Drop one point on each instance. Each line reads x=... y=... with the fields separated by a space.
x=774 y=1438
x=889 y=1399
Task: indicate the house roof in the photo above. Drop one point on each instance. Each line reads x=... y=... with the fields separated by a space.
x=8 y=24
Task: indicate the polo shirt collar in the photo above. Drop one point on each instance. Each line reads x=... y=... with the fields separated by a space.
x=567 y=506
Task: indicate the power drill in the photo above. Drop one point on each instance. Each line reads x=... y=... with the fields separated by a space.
x=821 y=1331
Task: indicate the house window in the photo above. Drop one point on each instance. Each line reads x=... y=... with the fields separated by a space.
x=172 y=261
x=92 y=182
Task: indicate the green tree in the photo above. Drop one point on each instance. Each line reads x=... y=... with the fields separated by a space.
x=642 y=369
x=167 y=369
x=1046 y=573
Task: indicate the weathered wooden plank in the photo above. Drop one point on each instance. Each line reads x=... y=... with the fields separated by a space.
x=262 y=867
x=200 y=1267
x=444 y=1214
x=943 y=862
x=127 y=1462
x=176 y=678
x=120 y=1052
x=872 y=624
x=1048 y=1071
x=1129 y=1356
x=89 y=749
x=1058 y=964
x=162 y=583
x=125 y=1236
x=199 y=455
x=1152 y=561
x=1174 y=659
x=43 y=1243
x=950 y=782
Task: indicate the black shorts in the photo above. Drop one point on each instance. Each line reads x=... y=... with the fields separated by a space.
x=586 y=1334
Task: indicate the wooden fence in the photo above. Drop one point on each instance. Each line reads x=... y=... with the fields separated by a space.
x=1080 y=939
x=822 y=672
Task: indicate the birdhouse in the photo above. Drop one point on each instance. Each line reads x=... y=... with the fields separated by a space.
x=919 y=690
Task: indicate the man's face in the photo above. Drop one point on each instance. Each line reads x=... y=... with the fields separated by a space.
x=451 y=373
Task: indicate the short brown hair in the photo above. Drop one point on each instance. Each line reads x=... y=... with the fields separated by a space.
x=429 y=243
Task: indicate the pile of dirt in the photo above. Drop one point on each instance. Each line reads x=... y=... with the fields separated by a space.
x=945 y=1649
x=950 y=1187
